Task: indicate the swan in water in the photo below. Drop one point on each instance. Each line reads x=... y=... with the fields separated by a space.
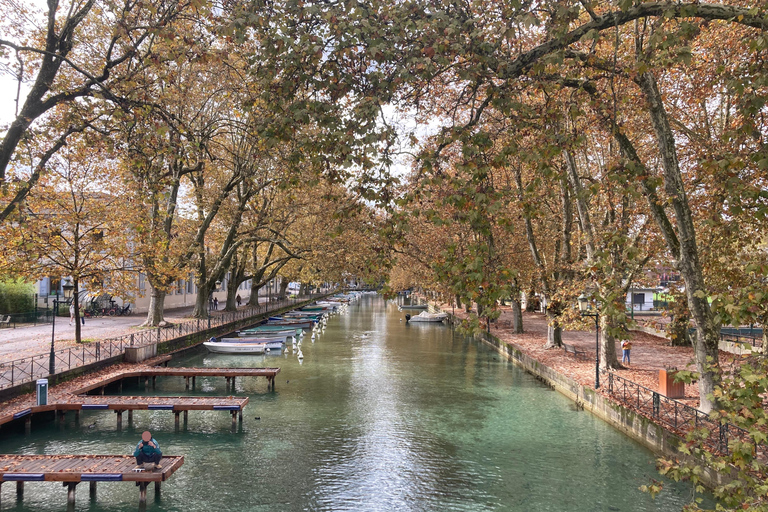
x=300 y=355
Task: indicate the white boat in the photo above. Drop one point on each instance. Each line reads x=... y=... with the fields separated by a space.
x=425 y=316
x=219 y=347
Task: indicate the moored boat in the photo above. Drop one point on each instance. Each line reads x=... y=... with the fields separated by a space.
x=296 y=324
x=235 y=348
x=425 y=316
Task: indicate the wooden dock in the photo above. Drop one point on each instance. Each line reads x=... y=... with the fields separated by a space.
x=189 y=374
x=74 y=469
x=120 y=404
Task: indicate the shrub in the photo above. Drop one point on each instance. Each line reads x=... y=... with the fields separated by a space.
x=16 y=296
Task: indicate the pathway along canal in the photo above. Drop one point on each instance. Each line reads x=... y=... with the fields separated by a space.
x=380 y=416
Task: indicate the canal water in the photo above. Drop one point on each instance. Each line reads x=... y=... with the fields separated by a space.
x=380 y=416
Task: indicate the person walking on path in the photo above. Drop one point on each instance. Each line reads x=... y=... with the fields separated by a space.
x=238 y=299
x=626 y=347
x=82 y=314
x=148 y=450
x=215 y=304
x=71 y=313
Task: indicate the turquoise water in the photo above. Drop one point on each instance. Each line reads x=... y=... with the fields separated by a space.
x=380 y=416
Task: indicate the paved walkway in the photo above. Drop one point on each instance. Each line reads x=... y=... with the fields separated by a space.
x=30 y=340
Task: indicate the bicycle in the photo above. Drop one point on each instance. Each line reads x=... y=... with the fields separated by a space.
x=125 y=310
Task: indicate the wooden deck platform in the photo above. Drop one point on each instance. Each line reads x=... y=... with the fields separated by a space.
x=187 y=373
x=119 y=404
x=74 y=469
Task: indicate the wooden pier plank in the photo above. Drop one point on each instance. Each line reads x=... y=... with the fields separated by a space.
x=160 y=371
x=72 y=468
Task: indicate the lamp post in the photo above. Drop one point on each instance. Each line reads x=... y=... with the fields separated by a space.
x=584 y=308
x=67 y=287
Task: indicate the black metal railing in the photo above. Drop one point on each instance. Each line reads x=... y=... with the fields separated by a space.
x=754 y=341
x=28 y=369
x=671 y=413
x=40 y=316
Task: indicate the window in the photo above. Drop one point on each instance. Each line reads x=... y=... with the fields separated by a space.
x=190 y=285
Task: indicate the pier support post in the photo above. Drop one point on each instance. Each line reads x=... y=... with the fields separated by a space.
x=19 y=490
x=28 y=424
x=186 y=383
x=234 y=420
x=120 y=386
x=93 y=490
x=157 y=489
x=233 y=384
x=154 y=381
x=186 y=417
x=130 y=417
x=71 y=493
x=240 y=417
x=142 y=492
x=119 y=420
x=193 y=382
x=176 y=419
x=102 y=390
x=227 y=383
x=146 y=382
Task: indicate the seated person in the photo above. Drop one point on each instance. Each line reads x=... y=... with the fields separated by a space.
x=148 y=450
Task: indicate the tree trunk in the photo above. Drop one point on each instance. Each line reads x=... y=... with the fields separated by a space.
x=517 y=316
x=707 y=330
x=253 y=300
x=283 y=288
x=530 y=302
x=156 y=308
x=231 y=295
x=554 y=330
x=608 y=357
x=201 y=302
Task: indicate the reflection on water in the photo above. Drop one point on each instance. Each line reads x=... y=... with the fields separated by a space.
x=382 y=415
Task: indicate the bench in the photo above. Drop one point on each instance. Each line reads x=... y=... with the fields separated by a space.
x=577 y=352
x=5 y=321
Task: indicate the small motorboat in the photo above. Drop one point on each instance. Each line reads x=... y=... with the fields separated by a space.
x=425 y=316
x=304 y=324
x=269 y=342
x=261 y=329
x=220 y=347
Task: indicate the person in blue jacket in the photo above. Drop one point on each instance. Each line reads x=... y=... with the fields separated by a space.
x=148 y=450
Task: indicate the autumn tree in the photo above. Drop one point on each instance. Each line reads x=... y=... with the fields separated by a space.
x=71 y=226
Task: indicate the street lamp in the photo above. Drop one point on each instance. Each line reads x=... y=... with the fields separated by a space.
x=67 y=287
x=585 y=309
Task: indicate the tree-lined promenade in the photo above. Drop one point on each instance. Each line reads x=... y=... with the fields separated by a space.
x=561 y=149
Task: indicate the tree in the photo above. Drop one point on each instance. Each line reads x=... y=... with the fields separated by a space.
x=70 y=227
x=66 y=66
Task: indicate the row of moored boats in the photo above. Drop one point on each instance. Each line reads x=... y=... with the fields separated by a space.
x=274 y=334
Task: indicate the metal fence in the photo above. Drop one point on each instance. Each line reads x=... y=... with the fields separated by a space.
x=28 y=369
x=677 y=416
x=754 y=341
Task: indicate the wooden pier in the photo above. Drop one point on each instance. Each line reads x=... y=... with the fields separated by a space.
x=74 y=469
x=189 y=374
x=120 y=404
